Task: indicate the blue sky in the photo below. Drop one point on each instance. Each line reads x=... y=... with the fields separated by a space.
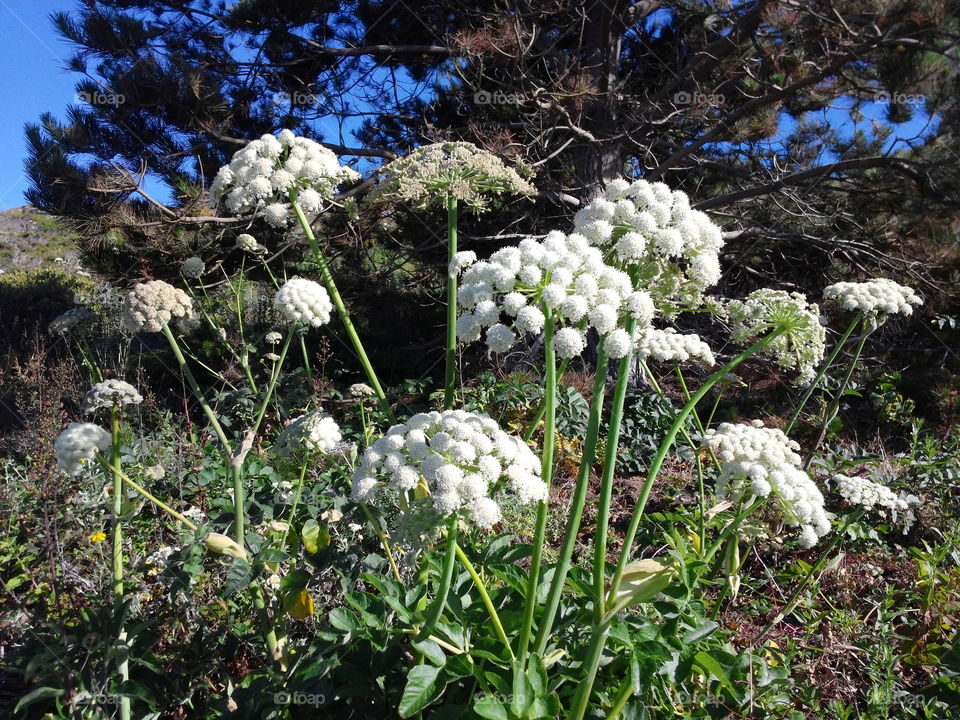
x=33 y=81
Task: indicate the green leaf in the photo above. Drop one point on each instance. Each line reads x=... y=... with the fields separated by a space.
x=343 y=619
x=431 y=651
x=699 y=632
x=40 y=693
x=238 y=577
x=315 y=536
x=522 y=696
x=294 y=581
x=710 y=666
x=488 y=706
x=422 y=688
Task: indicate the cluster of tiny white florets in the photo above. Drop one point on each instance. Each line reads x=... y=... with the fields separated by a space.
x=262 y=175
x=874 y=496
x=192 y=268
x=248 y=243
x=674 y=248
x=759 y=462
x=561 y=274
x=303 y=301
x=78 y=444
x=150 y=305
x=310 y=433
x=800 y=347
x=451 y=461
x=71 y=319
x=110 y=393
x=878 y=298
x=360 y=390
x=668 y=345
x=432 y=173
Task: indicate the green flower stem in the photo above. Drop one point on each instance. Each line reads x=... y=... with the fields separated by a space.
x=838 y=398
x=384 y=541
x=823 y=371
x=156 y=501
x=732 y=527
x=338 y=303
x=306 y=360
x=546 y=473
x=606 y=481
x=542 y=409
x=272 y=383
x=242 y=361
x=545 y=624
x=795 y=596
x=122 y=666
x=296 y=498
x=623 y=695
x=87 y=357
x=450 y=370
x=270 y=635
x=485 y=596
x=449 y=560
x=599 y=635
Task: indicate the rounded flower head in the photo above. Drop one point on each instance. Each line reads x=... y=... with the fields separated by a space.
x=674 y=249
x=455 y=462
x=878 y=298
x=248 y=243
x=110 y=393
x=878 y=498
x=71 y=319
x=800 y=347
x=431 y=173
x=303 y=301
x=310 y=433
x=668 y=345
x=192 y=268
x=262 y=175
x=151 y=305
x=763 y=462
x=360 y=390
x=78 y=444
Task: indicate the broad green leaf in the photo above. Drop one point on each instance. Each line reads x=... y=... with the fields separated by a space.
x=315 y=536
x=343 y=619
x=710 y=666
x=40 y=693
x=431 y=651
x=523 y=694
x=699 y=632
x=488 y=706
x=422 y=688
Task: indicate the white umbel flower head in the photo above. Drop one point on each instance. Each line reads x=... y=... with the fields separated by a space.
x=311 y=433
x=668 y=345
x=151 y=305
x=248 y=243
x=878 y=498
x=303 y=301
x=455 y=462
x=801 y=347
x=262 y=175
x=763 y=462
x=78 y=444
x=192 y=268
x=878 y=298
x=110 y=393
x=72 y=318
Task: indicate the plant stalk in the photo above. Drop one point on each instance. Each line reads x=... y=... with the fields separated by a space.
x=450 y=369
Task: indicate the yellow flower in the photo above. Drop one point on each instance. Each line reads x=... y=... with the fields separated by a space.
x=98 y=537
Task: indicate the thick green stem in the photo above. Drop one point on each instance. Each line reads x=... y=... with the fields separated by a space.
x=545 y=624
x=122 y=666
x=156 y=501
x=606 y=481
x=550 y=394
x=449 y=560
x=487 y=602
x=450 y=370
x=338 y=303
x=598 y=640
x=623 y=695
x=823 y=371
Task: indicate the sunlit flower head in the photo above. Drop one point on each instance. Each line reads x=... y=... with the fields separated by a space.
x=308 y=434
x=110 y=393
x=877 y=298
x=151 y=305
x=78 y=444
x=303 y=301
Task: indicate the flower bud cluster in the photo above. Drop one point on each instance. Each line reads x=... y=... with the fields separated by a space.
x=262 y=174
x=303 y=301
x=192 y=268
x=451 y=462
x=108 y=393
x=802 y=343
x=763 y=462
x=150 y=305
x=668 y=345
x=561 y=274
x=878 y=298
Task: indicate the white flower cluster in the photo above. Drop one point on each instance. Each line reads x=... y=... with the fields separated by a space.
x=874 y=496
x=159 y=558
x=78 y=444
x=668 y=345
x=72 y=318
x=195 y=514
x=303 y=301
x=879 y=297
x=108 y=393
x=360 y=390
x=431 y=173
x=800 y=347
x=310 y=433
x=248 y=243
x=451 y=460
x=150 y=305
x=759 y=461
x=647 y=225
x=562 y=274
x=262 y=175
x=192 y=268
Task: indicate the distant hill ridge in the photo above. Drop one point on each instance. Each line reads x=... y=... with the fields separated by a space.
x=30 y=238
